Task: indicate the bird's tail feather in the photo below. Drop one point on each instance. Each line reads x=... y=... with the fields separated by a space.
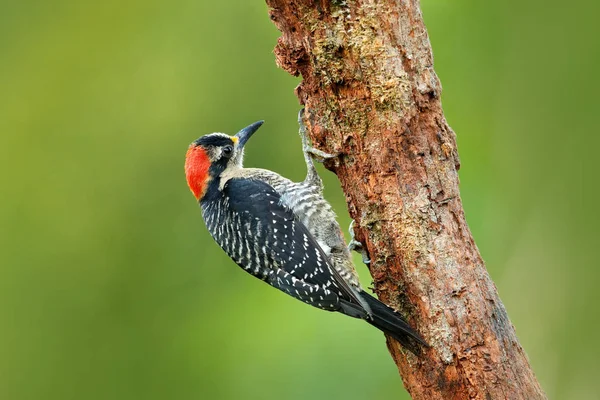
x=390 y=322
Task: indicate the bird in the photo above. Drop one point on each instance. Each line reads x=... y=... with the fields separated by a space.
x=283 y=232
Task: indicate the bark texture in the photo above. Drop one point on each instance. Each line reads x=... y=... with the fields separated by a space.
x=372 y=96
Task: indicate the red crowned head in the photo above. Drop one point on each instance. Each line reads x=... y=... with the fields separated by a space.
x=209 y=156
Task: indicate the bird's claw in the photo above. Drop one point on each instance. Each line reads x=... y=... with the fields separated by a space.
x=317 y=154
x=357 y=246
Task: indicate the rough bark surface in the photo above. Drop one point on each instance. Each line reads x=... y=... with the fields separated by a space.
x=372 y=96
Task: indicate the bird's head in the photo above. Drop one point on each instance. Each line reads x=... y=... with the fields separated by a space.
x=210 y=155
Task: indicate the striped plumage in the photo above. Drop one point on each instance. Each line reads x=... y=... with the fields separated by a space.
x=282 y=232
x=273 y=246
x=305 y=200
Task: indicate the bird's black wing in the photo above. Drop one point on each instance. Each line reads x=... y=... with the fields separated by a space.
x=267 y=240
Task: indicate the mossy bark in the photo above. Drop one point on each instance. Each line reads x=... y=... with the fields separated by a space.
x=372 y=96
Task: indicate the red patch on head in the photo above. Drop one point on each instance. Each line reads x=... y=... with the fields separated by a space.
x=196 y=170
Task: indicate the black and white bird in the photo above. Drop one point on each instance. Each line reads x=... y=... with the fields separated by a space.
x=284 y=233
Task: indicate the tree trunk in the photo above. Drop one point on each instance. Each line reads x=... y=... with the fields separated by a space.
x=372 y=97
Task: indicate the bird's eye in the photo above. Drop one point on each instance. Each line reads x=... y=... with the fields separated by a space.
x=227 y=151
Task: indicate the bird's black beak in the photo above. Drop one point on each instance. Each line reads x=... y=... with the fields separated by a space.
x=243 y=135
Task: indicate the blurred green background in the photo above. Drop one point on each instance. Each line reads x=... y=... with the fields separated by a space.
x=110 y=286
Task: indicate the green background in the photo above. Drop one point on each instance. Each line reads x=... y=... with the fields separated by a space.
x=110 y=286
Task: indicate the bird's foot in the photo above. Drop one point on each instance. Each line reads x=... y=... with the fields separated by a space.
x=357 y=246
x=319 y=155
x=308 y=150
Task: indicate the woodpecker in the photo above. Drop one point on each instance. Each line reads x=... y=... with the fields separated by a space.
x=282 y=232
